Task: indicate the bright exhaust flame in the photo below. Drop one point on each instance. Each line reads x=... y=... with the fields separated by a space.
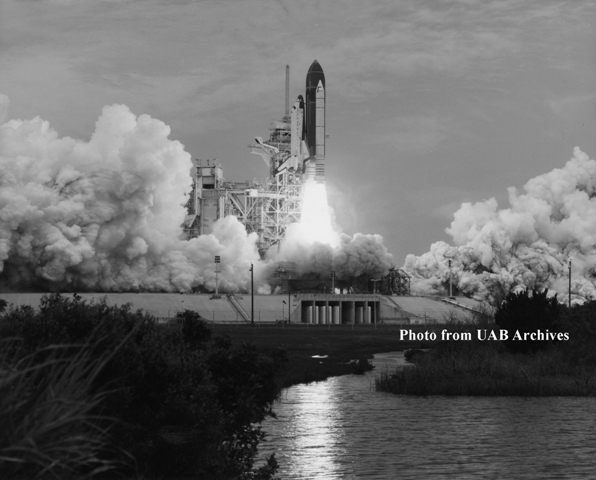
x=315 y=222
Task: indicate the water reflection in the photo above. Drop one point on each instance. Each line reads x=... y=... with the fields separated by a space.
x=342 y=428
x=314 y=434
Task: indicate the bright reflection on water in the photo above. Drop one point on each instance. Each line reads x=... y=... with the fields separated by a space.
x=342 y=428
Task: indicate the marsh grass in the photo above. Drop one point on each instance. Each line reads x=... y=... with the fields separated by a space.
x=516 y=368
x=50 y=421
x=484 y=368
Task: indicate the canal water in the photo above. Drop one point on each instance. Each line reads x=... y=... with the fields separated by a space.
x=342 y=429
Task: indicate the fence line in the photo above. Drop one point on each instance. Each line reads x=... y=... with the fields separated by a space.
x=224 y=316
x=283 y=324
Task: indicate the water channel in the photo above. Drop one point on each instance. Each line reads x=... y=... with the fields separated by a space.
x=342 y=429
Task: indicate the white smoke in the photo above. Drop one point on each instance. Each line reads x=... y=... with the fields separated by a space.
x=315 y=245
x=528 y=244
x=352 y=257
x=106 y=214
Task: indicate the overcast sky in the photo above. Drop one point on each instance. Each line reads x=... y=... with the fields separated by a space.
x=429 y=103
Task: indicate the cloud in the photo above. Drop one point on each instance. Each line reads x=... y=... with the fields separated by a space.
x=126 y=40
x=421 y=133
x=446 y=210
x=565 y=105
x=4 y=102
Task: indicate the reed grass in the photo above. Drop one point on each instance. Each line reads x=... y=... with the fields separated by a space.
x=50 y=425
x=484 y=369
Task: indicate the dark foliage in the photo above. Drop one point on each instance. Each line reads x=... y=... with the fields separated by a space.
x=194 y=328
x=49 y=426
x=580 y=323
x=527 y=312
x=187 y=404
x=491 y=367
x=414 y=354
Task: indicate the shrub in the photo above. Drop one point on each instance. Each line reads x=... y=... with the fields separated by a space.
x=483 y=368
x=527 y=312
x=186 y=404
x=194 y=328
x=580 y=323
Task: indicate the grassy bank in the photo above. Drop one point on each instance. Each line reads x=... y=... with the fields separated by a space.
x=562 y=365
x=485 y=369
x=345 y=350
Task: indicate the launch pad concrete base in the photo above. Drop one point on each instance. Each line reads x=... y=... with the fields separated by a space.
x=305 y=308
x=339 y=309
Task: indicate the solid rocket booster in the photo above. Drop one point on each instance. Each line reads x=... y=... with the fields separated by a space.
x=320 y=134
x=315 y=121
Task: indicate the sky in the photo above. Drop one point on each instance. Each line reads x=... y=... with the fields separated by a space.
x=429 y=104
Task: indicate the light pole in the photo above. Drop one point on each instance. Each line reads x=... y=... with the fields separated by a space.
x=289 y=297
x=281 y=271
x=569 y=283
x=252 y=297
x=217 y=260
x=450 y=289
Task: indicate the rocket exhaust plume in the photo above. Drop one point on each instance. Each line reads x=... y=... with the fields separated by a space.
x=315 y=221
x=528 y=244
x=315 y=246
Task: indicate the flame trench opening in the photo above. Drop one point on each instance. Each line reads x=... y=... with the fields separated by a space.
x=315 y=221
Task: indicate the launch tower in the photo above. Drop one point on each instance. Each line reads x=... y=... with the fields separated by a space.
x=294 y=154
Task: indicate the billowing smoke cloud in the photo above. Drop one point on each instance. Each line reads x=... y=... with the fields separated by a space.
x=105 y=214
x=352 y=257
x=528 y=244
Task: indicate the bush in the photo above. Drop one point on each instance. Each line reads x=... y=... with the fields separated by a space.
x=484 y=368
x=186 y=404
x=194 y=329
x=580 y=323
x=526 y=312
x=491 y=367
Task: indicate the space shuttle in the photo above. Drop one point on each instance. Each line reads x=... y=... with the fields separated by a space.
x=308 y=126
x=305 y=126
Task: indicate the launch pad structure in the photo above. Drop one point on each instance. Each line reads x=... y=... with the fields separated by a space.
x=294 y=153
x=264 y=209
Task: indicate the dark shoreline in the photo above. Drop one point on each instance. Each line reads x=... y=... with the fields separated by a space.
x=344 y=349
